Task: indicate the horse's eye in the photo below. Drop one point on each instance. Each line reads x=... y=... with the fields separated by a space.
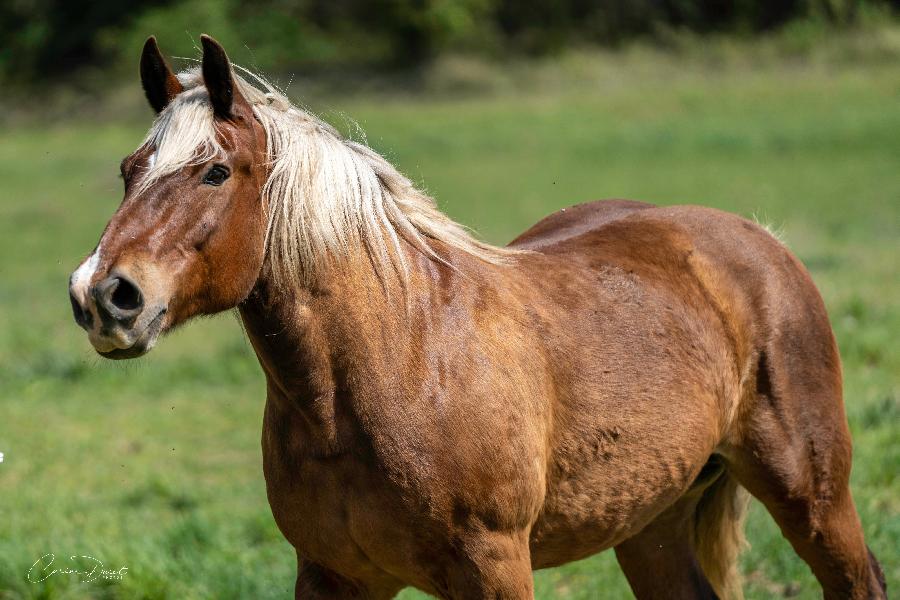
x=217 y=175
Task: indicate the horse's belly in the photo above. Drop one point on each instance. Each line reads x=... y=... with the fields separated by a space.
x=574 y=527
x=598 y=505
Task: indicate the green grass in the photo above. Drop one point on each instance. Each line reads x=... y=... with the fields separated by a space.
x=155 y=465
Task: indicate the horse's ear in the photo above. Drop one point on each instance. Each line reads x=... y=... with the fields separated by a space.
x=159 y=82
x=218 y=78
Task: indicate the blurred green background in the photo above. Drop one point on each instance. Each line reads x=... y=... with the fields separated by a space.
x=788 y=112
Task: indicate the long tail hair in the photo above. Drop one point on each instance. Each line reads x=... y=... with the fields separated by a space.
x=719 y=535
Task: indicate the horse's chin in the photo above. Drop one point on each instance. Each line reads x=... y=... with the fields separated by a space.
x=135 y=351
x=144 y=342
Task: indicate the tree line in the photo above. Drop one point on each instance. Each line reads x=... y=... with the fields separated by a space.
x=46 y=40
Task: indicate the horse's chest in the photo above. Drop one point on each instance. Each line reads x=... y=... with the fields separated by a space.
x=313 y=509
x=337 y=511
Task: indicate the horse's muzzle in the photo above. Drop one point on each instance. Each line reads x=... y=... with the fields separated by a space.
x=114 y=314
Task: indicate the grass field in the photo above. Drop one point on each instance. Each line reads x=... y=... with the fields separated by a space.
x=155 y=465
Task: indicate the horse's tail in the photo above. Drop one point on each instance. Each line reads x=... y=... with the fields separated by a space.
x=719 y=534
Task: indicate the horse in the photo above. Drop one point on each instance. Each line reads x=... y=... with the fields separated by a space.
x=451 y=415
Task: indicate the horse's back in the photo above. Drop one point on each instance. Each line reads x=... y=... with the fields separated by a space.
x=576 y=220
x=738 y=264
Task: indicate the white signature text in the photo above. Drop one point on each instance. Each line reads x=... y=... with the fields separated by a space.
x=86 y=568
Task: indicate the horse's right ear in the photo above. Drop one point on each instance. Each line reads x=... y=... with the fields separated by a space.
x=159 y=82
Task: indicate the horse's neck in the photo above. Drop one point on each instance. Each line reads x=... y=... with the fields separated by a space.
x=310 y=343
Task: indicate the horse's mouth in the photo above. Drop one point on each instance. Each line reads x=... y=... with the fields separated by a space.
x=142 y=345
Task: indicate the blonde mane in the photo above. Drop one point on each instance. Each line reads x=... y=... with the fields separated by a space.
x=325 y=194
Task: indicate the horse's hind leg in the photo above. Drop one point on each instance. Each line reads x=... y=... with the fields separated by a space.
x=690 y=550
x=659 y=562
x=791 y=449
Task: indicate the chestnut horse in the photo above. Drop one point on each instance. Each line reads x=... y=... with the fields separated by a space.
x=449 y=415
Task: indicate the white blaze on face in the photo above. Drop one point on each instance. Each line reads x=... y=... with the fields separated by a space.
x=151 y=161
x=81 y=278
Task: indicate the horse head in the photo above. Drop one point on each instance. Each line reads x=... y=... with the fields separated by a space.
x=189 y=235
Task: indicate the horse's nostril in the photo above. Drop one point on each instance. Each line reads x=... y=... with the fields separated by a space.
x=119 y=298
x=126 y=295
x=82 y=316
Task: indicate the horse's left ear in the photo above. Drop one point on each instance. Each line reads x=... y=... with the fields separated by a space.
x=159 y=82
x=218 y=78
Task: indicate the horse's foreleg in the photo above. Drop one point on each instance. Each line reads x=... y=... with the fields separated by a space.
x=490 y=565
x=315 y=582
